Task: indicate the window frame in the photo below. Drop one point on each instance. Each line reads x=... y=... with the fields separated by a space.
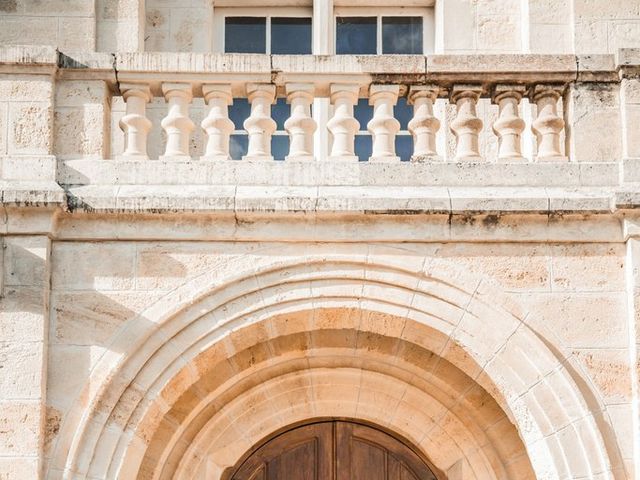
x=221 y=13
x=428 y=23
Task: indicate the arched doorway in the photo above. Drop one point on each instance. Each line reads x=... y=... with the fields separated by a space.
x=332 y=450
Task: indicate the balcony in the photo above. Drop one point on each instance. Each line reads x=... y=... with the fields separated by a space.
x=151 y=131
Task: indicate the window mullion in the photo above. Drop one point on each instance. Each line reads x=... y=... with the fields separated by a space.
x=379 y=35
x=268 y=35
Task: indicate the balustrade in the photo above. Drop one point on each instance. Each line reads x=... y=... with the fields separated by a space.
x=424 y=125
x=217 y=124
x=509 y=126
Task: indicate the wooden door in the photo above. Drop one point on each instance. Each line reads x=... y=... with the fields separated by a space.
x=333 y=450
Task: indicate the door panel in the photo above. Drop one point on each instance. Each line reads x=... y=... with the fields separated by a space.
x=333 y=450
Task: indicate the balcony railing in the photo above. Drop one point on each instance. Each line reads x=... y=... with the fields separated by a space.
x=464 y=108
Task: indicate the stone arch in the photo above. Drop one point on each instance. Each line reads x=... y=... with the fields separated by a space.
x=561 y=439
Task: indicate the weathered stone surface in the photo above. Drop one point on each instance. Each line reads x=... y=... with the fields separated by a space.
x=160 y=316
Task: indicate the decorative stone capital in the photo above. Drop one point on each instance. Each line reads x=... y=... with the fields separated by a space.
x=300 y=90
x=429 y=92
x=182 y=90
x=137 y=90
x=383 y=92
x=261 y=90
x=501 y=91
x=219 y=91
x=347 y=92
x=462 y=92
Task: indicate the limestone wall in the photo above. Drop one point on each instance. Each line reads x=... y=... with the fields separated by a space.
x=67 y=24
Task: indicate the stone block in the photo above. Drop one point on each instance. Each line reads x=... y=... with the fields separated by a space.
x=549 y=11
x=624 y=34
x=498 y=33
x=19 y=467
x=58 y=8
x=80 y=132
x=4 y=122
x=610 y=372
x=100 y=266
x=22 y=367
x=588 y=268
x=92 y=318
x=631 y=131
x=21 y=314
x=609 y=9
x=20 y=424
x=27 y=167
x=118 y=9
x=20 y=30
x=592 y=36
x=77 y=34
x=630 y=91
x=550 y=38
x=25 y=88
x=582 y=320
x=25 y=261
x=190 y=29
x=64 y=384
x=595 y=123
x=458 y=16
x=29 y=128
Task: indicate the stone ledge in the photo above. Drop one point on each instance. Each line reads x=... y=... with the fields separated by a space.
x=345 y=199
x=31 y=194
x=28 y=55
x=290 y=173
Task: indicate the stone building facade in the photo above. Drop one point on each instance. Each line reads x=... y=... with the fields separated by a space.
x=172 y=296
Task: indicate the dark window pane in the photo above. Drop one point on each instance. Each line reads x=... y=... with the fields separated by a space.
x=239 y=111
x=402 y=35
x=363 y=112
x=290 y=36
x=403 y=113
x=279 y=146
x=404 y=147
x=280 y=112
x=245 y=35
x=363 y=147
x=238 y=146
x=356 y=35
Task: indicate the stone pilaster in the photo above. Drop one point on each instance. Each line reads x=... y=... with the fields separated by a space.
x=24 y=320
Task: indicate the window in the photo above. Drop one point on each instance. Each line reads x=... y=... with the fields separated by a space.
x=250 y=31
x=390 y=31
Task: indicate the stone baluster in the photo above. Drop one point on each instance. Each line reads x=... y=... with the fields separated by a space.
x=466 y=126
x=300 y=125
x=343 y=126
x=424 y=125
x=383 y=126
x=135 y=123
x=217 y=124
x=260 y=125
x=509 y=126
x=548 y=125
x=177 y=124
